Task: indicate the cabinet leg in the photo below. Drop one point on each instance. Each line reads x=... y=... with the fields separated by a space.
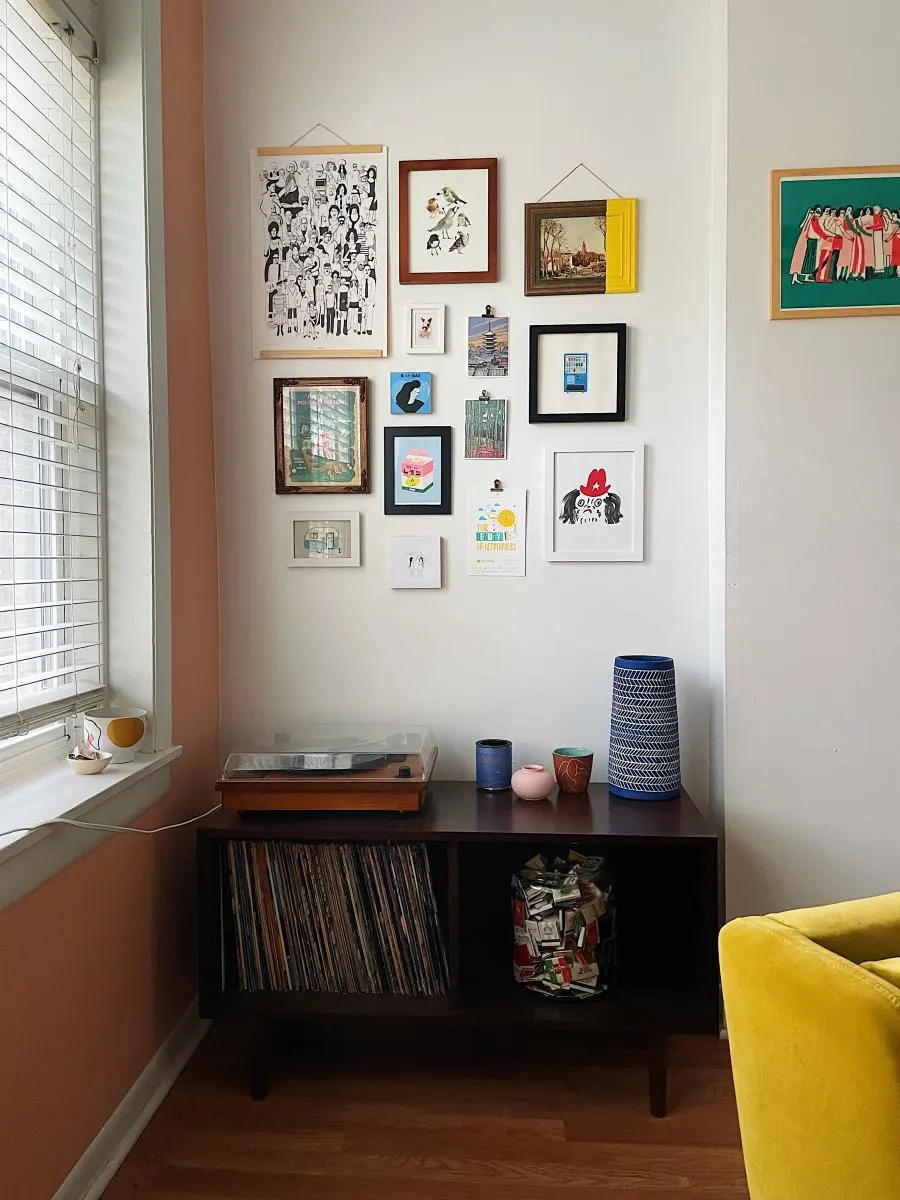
x=258 y=1056
x=657 y=1071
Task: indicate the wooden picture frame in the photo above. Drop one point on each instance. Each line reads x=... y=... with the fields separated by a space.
x=321 y=436
x=330 y=539
x=570 y=263
x=594 y=503
x=422 y=455
x=446 y=223
x=853 y=268
x=551 y=398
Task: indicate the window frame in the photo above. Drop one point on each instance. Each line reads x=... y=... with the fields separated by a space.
x=43 y=400
x=136 y=426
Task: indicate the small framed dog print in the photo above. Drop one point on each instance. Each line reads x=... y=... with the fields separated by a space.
x=424 y=329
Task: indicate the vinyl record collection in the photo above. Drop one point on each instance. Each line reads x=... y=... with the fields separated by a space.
x=335 y=918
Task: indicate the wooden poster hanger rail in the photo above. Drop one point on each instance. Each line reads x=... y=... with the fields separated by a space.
x=298 y=145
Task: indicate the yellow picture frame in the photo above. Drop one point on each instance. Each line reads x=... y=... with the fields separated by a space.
x=581 y=247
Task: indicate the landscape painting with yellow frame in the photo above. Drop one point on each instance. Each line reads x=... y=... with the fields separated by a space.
x=581 y=246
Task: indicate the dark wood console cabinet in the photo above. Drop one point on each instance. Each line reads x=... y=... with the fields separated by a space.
x=664 y=857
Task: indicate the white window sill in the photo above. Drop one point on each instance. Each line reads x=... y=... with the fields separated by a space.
x=50 y=788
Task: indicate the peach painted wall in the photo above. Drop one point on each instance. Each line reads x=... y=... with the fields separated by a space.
x=98 y=964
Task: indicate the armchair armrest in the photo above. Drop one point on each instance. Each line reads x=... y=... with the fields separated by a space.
x=815 y=1048
x=858 y=930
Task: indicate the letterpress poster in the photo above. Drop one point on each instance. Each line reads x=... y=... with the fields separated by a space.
x=496 y=532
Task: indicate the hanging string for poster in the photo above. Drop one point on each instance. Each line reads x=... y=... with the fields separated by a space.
x=298 y=145
x=578 y=167
x=319 y=125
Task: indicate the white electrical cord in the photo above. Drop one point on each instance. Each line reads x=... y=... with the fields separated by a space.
x=110 y=828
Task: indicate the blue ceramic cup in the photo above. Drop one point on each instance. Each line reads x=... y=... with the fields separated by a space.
x=493 y=765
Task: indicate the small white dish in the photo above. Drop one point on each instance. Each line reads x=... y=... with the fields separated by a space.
x=89 y=766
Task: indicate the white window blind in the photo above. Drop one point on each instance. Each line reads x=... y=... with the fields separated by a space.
x=51 y=464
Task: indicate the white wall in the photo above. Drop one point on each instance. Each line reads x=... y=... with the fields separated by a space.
x=623 y=87
x=813 y=429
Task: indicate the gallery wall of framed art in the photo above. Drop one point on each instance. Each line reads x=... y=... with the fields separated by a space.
x=324 y=280
x=457 y=356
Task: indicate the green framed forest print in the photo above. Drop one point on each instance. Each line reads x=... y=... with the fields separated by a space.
x=836 y=242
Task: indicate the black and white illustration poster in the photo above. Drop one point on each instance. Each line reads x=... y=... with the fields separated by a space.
x=319 y=252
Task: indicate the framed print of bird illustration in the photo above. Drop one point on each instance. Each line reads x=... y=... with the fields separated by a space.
x=448 y=220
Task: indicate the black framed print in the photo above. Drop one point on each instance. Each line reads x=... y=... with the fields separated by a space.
x=576 y=373
x=417 y=470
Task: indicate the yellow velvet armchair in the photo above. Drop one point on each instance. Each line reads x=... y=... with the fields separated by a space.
x=812 y=1004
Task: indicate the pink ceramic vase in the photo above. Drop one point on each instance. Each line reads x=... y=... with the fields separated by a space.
x=532 y=782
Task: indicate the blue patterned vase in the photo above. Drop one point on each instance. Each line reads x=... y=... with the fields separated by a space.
x=644 y=759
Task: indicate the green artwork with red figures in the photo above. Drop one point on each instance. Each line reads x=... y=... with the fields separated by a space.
x=836 y=242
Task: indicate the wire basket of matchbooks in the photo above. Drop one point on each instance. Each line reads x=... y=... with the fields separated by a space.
x=564 y=927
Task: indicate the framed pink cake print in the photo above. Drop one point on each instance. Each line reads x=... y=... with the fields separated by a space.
x=417 y=471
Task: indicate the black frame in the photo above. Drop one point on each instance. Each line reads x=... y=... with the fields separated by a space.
x=535 y=417
x=391 y=507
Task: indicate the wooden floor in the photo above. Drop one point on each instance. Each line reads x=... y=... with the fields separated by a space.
x=457 y=1119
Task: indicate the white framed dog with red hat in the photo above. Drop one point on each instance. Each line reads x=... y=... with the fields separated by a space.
x=595 y=503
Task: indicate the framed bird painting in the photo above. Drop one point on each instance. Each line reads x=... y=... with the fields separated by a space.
x=448 y=221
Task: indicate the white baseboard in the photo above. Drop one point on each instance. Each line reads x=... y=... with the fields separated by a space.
x=90 y=1176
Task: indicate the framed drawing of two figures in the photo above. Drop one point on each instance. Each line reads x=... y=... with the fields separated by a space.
x=836 y=242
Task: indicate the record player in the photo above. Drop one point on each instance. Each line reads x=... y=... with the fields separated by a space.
x=369 y=768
